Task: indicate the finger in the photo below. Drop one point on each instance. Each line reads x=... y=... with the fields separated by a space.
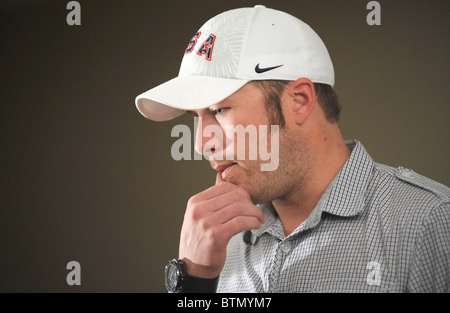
x=223 y=200
x=215 y=191
x=219 y=178
x=219 y=189
x=235 y=209
x=239 y=224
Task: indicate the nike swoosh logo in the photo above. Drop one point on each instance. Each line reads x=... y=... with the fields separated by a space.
x=265 y=69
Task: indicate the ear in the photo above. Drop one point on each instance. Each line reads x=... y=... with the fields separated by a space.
x=302 y=97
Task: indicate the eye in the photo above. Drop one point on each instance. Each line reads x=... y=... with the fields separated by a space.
x=220 y=111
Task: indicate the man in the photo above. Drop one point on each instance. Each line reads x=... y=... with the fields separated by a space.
x=327 y=218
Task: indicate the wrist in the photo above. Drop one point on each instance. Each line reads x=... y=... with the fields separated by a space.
x=195 y=270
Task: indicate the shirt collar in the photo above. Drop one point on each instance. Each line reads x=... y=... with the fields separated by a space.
x=345 y=196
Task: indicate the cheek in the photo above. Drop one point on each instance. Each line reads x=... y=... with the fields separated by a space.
x=247 y=144
x=242 y=140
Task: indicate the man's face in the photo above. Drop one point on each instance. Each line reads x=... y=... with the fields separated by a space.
x=246 y=108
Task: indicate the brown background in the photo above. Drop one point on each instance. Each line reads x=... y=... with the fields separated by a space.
x=85 y=177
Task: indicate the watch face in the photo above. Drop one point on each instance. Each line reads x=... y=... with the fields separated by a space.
x=172 y=276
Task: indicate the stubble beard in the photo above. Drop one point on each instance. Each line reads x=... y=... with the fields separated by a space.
x=289 y=177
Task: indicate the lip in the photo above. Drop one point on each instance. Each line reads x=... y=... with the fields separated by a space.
x=224 y=169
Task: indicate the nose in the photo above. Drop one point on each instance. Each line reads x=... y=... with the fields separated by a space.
x=208 y=136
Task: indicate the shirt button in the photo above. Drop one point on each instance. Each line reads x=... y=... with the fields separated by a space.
x=286 y=247
x=407 y=174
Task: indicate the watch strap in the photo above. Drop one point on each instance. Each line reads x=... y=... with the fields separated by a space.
x=192 y=284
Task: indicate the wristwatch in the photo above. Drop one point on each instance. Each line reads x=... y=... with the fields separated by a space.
x=179 y=281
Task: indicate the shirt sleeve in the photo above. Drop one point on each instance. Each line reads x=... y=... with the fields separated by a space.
x=430 y=268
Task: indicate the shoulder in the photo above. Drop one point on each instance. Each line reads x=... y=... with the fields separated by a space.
x=407 y=199
x=410 y=186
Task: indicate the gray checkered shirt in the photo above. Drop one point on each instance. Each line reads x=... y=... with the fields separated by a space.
x=375 y=229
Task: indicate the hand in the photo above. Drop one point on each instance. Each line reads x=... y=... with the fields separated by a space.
x=212 y=217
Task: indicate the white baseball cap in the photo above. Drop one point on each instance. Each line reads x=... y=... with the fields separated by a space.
x=230 y=50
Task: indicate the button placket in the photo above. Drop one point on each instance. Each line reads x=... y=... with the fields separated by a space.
x=282 y=251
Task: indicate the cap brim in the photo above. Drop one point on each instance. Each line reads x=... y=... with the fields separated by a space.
x=184 y=93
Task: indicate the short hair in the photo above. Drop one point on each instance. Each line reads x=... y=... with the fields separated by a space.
x=273 y=89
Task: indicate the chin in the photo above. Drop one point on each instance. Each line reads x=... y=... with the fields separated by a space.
x=254 y=196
